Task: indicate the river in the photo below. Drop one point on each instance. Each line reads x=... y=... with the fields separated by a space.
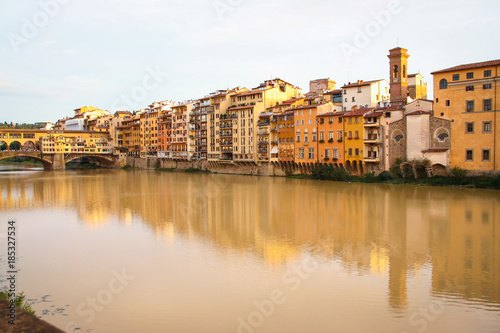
x=146 y=251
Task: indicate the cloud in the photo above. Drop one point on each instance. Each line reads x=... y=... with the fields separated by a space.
x=48 y=43
x=71 y=51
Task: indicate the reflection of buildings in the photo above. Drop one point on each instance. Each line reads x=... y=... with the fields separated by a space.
x=467 y=249
x=371 y=229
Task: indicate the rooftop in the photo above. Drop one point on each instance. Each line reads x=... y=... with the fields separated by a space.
x=360 y=83
x=469 y=66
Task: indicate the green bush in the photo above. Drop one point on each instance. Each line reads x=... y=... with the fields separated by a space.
x=458 y=172
x=328 y=172
x=19 y=301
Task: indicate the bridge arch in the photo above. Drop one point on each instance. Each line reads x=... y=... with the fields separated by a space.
x=15 y=145
x=105 y=160
x=47 y=164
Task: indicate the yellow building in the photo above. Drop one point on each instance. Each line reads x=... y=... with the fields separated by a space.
x=353 y=142
x=128 y=134
x=90 y=142
x=247 y=107
x=26 y=139
x=468 y=96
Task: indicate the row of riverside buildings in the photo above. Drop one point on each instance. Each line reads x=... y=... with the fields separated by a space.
x=363 y=126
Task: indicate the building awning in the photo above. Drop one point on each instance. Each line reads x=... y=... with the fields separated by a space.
x=274 y=150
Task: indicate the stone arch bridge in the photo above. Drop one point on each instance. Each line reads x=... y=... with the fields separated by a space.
x=58 y=161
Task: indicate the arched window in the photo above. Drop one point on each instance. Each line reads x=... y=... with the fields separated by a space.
x=398 y=137
x=443 y=136
x=443 y=84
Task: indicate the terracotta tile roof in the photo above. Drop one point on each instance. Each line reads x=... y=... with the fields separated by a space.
x=358 y=112
x=374 y=114
x=469 y=66
x=241 y=107
x=416 y=112
x=359 y=83
x=333 y=113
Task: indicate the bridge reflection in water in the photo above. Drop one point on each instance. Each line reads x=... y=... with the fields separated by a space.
x=392 y=231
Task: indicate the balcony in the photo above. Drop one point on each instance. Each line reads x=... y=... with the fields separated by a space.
x=263 y=123
x=372 y=124
x=372 y=157
x=372 y=138
x=264 y=143
x=263 y=133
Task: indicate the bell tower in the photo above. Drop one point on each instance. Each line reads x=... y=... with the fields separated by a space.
x=398 y=60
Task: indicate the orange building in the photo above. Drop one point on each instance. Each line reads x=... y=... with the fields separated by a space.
x=285 y=136
x=353 y=146
x=331 y=138
x=306 y=132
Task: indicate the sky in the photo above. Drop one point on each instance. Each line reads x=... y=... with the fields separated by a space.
x=59 y=55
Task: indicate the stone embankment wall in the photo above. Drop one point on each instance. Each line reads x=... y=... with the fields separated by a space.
x=239 y=168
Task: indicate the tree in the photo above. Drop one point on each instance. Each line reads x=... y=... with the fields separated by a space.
x=15 y=146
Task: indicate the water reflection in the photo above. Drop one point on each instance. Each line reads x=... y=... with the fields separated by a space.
x=391 y=231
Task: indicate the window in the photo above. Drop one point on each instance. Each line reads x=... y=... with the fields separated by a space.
x=486 y=155
x=353 y=99
x=456 y=77
x=469 y=155
x=487 y=73
x=350 y=134
x=340 y=119
x=340 y=135
x=298 y=138
x=469 y=127
x=447 y=102
x=443 y=136
x=327 y=153
x=387 y=115
x=398 y=137
x=443 y=84
x=345 y=100
x=311 y=153
x=470 y=75
x=302 y=122
x=314 y=137
x=486 y=126
x=359 y=89
x=306 y=138
x=350 y=151
x=487 y=86
x=301 y=152
x=310 y=121
x=310 y=111
x=469 y=106
x=469 y=88
x=330 y=135
x=345 y=92
x=335 y=153
x=356 y=135
x=487 y=104
x=356 y=152
x=321 y=136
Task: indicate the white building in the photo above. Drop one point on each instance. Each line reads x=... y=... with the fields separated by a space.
x=75 y=124
x=364 y=94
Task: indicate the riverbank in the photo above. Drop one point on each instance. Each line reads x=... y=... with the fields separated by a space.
x=459 y=179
